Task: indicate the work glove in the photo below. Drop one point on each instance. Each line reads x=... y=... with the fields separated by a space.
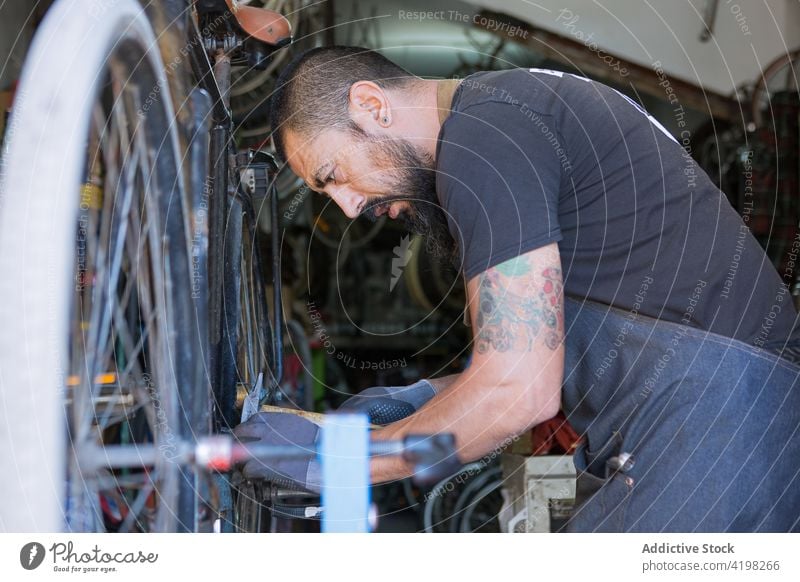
x=279 y=428
x=387 y=404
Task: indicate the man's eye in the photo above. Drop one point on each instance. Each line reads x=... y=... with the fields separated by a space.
x=331 y=178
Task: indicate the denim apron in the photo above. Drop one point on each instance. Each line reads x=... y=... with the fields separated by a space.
x=684 y=430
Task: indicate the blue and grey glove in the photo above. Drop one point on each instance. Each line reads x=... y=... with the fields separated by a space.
x=387 y=404
x=279 y=428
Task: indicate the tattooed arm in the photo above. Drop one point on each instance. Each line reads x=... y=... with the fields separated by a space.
x=511 y=317
x=514 y=380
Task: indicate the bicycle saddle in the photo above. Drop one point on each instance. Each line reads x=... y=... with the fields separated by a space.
x=264 y=25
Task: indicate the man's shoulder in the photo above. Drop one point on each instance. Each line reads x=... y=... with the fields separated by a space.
x=544 y=90
x=495 y=88
x=506 y=114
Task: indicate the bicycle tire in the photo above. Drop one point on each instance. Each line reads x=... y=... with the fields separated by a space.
x=45 y=164
x=247 y=341
x=256 y=348
x=250 y=341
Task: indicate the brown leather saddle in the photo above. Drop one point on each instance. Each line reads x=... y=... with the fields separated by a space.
x=266 y=26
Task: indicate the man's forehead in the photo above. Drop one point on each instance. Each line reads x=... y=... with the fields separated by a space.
x=308 y=155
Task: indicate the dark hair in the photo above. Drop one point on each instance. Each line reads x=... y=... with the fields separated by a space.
x=313 y=90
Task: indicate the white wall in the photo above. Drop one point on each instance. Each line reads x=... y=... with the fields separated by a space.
x=646 y=31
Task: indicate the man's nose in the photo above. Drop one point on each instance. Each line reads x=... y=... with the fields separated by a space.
x=348 y=200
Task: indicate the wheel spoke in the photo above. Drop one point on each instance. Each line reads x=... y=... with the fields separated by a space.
x=139 y=503
x=99 y=322
x=129 y=177
x=121 y=298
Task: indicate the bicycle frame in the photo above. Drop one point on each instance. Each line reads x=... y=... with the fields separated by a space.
x=214 y=193
x=220 y=182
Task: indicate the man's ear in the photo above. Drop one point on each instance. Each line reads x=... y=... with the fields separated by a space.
x=369 y=106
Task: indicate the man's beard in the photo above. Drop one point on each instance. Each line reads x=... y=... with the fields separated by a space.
x=414 y=182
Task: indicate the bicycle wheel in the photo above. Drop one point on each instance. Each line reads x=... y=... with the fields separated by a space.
x=255 y=349
x=251 y=515
x=254 y=352
x=97 y=317
x=247 y=347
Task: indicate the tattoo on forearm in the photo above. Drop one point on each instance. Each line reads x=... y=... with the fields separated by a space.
x=511 y=321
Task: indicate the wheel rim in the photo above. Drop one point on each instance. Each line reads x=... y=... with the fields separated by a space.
x=119 y=386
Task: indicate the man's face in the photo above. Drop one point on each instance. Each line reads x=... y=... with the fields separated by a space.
x=372 y=176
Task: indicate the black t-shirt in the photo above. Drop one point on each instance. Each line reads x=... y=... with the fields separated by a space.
x=528 y=157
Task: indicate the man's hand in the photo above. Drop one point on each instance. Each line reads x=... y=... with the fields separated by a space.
x=387 y=404
x=278 y=428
